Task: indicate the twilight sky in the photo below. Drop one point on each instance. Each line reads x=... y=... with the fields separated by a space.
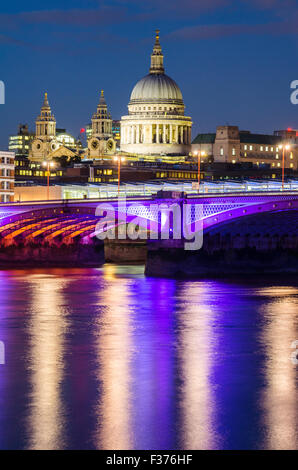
x=233 y=60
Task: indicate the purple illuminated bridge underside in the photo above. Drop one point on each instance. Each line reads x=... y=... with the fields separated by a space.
x=76 y=219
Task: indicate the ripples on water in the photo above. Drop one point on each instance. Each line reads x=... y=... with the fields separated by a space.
x=107 y=359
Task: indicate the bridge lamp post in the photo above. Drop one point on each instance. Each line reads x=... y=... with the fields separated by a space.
x=283 y=147
x=199 y=154
x=48 y=165
x=119 y=160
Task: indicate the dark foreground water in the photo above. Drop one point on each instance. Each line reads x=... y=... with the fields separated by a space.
x=107 y=359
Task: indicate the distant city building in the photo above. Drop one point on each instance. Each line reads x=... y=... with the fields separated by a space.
x=288 y=134
x=20 y=143
x=229 y=145
x=66 y=139
x=116 y=133
x=7 y=176
x=88 y=131
x=156 y=124
x=101 y=141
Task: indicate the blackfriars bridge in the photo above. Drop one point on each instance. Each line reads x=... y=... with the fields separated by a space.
x=259 y=224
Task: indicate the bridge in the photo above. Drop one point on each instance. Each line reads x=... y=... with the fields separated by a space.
x=243 y=217
x=70 y=219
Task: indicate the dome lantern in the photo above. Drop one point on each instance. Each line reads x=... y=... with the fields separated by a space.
x=157 y=57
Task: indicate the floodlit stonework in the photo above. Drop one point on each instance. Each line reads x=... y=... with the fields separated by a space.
x=45 y=141
x=101 y=141
x=156 y=124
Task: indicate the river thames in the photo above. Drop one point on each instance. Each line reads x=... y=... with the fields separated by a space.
x=109 y=359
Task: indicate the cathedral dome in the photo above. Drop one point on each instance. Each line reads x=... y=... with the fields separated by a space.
x=156 y=88
x=156 y=124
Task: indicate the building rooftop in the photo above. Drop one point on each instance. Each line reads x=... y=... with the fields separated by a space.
x=204 y=139
x=248 y=138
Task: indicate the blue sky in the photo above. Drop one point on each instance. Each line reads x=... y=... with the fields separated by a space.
x=233 y=60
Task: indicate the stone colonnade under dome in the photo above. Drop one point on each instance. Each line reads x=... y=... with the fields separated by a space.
x=155 y=134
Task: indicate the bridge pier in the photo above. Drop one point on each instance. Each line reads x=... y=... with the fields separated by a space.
x=224 y=255
x=125 y=251
x=19 y=255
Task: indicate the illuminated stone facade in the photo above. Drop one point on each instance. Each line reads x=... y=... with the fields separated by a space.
x=45 y=141
x=156 y=124
x=101 y=141
x=229 y=145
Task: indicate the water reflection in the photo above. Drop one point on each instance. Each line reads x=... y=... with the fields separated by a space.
x=280 y=397
x=108 y=359
x=154 y=361
x=196 y=350
x=114 y=347
x=46 y=329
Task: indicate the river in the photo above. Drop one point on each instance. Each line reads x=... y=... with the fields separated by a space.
x=109 y=359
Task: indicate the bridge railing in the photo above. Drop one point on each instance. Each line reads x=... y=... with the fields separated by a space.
x=71 y=201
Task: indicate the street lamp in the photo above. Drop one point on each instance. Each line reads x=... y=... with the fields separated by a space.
x=119 y=160
x=49 y=165
x=283 y=147
x=199 y=154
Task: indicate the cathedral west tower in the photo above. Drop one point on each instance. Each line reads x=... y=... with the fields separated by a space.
x=101 y=141
x=45 y=141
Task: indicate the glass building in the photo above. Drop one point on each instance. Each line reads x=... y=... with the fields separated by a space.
x=20 y=143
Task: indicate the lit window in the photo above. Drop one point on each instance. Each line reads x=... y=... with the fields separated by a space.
x=278 y=164
x=233 y=151
x=291 y=165
x=276 y=156
x=250 y=147
x=245 y=147
x=261 y=148
x=221 y=151
x=272 y=150
x=266 y=148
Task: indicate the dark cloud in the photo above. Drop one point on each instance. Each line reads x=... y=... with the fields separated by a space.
x=225 y=30
x=177 y=5
x=74 y=17
x=9 y=40
x=94 y=22
x=274 y=5
x=119 y=11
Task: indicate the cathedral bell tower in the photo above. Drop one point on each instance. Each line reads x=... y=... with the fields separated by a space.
x=46 y=122
x=45 y=134
x=101 y=141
